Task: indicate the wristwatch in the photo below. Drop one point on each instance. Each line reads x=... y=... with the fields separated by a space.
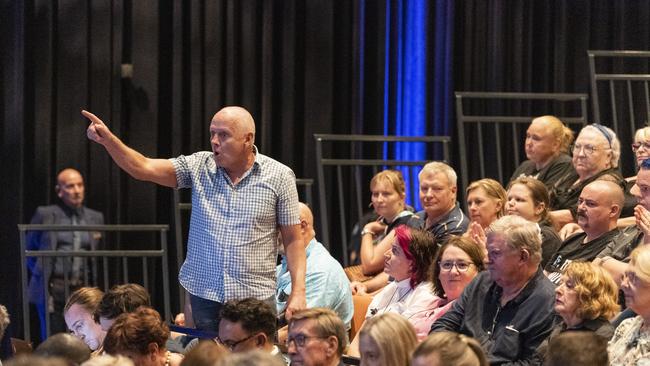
x=364 y=232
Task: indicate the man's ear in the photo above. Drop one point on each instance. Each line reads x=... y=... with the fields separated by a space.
x=525 y=255
x=332 y=346
x=57 y=189
x=260 y=339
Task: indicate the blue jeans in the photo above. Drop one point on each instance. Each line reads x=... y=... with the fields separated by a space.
x=206 y=313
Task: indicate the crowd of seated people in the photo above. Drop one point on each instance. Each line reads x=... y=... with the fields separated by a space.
x=528 y=275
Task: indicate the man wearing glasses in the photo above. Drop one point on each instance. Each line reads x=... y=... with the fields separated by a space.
x=509 y=307
x=317 y=337
x=247 y=325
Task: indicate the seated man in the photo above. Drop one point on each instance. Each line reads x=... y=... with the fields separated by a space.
x=509 y=307
x=317 y=337
x=65 y=346
x=118 y=300
x=599 y=207
x=326 y=284
x=616 y=255
x=248 y=324
x=79 y=313
x=69 y=210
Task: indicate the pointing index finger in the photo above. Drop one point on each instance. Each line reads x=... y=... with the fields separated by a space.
x=93 y=119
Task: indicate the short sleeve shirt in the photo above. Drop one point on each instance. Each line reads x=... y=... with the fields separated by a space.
x=231 y=249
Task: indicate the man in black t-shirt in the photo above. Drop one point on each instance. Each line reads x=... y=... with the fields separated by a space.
x=599 y=206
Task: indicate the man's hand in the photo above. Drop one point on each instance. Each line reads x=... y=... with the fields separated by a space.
x=568 y=230
x=295 y=303
x=358 y=288
x=97 y=130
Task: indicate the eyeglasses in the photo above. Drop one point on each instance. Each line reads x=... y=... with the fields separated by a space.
x=638 y=145
x=633 y=279
x=588 y=149
x=447 y=266
x=300 y=339
x=230 y=344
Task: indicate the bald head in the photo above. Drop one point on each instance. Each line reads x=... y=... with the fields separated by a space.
x=306 y=223
x=70 y=187
x=599 y=206
x=610 y=191
x=240 y=118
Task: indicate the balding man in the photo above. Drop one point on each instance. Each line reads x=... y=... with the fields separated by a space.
x=69 y=210
x=239 y=198
x=599 y=206
x=326 y=283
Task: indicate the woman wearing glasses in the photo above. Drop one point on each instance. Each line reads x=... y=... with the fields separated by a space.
x=586 y=300
x=631 y=341
x=528 y=198
x=458 y=261
x=596 y=154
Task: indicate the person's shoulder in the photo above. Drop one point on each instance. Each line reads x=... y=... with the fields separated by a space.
x=94 y=214
x=267 y=162
x=562 y=159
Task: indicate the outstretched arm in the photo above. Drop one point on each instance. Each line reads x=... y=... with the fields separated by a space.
x=160 y=171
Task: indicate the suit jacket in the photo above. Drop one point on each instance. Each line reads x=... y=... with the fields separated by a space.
x=58 y=214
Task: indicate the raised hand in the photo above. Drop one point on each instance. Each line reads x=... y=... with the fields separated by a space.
x=97 y=130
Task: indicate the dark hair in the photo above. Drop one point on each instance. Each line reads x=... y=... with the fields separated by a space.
x=122 y=299
x=133 y=332
x=577 y=348
x=253 y=315
x=468 y=246
x=420 y=247
x=539 y=194
x=65 y=346
x=86 y=297
x=206 y=353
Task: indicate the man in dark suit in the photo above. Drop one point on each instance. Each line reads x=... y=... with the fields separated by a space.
x=68 y=211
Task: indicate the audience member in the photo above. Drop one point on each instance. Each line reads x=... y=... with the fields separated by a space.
x=243 y=196
x=250 y=358
x=596 y=155
x=615 y=256
x=586 y=299
x=577 y=349
x=449 y=348
x=108 y=360
x=206 y=353
x=326 y=283
x=513 y=296
x=547 y=149
x=388 y=199
x=486 y=200
x=78 y=313
x=387 y=339
x=69 y=210
x=528 y=198
x=141 y=336
x=599 y=207
x=5 y=320
x=442 y=215
x=34 y=360
x=456 y=264
x=65 y=346
x=631 y=341
x=118 y=300
x=248 y=324
x=317 y=337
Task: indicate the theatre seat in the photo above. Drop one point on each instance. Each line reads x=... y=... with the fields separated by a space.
x=361 y=303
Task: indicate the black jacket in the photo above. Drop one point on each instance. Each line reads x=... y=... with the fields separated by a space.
x=510 y=334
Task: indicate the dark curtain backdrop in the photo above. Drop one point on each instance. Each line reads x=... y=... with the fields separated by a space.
x=156 y=71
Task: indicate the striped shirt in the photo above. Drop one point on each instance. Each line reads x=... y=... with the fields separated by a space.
x=231 y=250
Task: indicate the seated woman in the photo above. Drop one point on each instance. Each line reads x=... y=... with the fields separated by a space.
x=458 y=261
x=486 y=202
x=449 y=348
x=631 y=340
x=387 y=339
x=585 y=300
x=407 y=262
x=547 y=149
x=388 y=194
x=596 y=154
x=141 y=336
x=528 y=198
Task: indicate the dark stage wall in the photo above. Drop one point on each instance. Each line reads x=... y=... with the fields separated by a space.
x=299 y=67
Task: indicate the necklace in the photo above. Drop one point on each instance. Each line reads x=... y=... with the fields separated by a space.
x=374 y=311
x=169 y=358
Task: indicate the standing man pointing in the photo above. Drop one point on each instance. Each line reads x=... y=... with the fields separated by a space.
x=239 y=198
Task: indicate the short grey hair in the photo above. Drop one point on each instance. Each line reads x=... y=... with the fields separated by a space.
x=436 y=167
x=519 y=233
x=614 y=143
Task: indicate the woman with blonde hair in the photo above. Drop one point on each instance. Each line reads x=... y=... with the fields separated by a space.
x=386 y=340
x=586 y=300
x=486 y=202
x=449 y=348
x=631 y=340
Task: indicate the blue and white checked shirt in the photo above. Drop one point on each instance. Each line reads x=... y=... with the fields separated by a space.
x=231 y=251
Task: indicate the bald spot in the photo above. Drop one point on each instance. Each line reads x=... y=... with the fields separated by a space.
x=240 y=118
x=305 y=214
x=67 y=174
x=609 y=190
